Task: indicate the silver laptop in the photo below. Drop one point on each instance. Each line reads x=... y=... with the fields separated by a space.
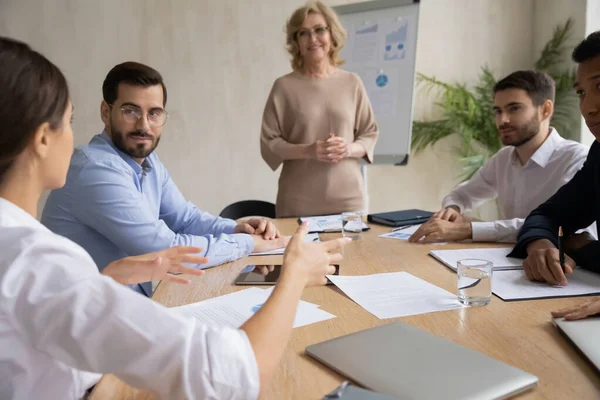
x=584 y=334
x=409 y=363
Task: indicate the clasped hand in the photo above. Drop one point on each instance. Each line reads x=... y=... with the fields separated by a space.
x=332 y=150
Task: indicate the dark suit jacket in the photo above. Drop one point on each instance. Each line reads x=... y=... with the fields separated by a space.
x=574 y=206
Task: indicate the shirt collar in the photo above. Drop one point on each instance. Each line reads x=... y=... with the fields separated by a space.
x=542 y=155
x=22 y=216
x=544 y=152
x=146 y=164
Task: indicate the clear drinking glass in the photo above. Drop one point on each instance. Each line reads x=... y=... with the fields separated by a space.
x=351 y=225
x=474 y=281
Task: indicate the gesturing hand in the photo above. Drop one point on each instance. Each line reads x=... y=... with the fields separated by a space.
x=311 y=261
x=156 y=266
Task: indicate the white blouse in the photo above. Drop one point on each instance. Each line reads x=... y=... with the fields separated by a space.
x=62 y=325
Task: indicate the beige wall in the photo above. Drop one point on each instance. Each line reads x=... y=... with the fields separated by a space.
x=550 y=13
x=219 y=59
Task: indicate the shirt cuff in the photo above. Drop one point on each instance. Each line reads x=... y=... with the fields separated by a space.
x=448 y=203
x=245 y=243
x=484 y=231
x=229 y=226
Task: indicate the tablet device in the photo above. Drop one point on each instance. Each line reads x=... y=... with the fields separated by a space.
x=263 y=274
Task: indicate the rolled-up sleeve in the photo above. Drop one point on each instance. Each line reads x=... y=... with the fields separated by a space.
x=89 y=322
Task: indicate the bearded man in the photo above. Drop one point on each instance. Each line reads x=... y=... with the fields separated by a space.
x=535 y=163
x=119 y=199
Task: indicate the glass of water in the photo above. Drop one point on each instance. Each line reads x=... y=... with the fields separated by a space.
x=351 y=225
x=474 y=281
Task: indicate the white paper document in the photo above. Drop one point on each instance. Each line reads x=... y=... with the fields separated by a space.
x=405 y=233
x=382 y=86
x=311 y=237
x=270 y=290
x=234 y=309
x=498 y=257
x=514 y=285
x=364 y=44
x=395 y=294
x=396 y=35
x=327 y=223
x=402 y=234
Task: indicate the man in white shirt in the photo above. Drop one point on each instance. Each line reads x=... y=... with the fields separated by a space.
x=535 y=163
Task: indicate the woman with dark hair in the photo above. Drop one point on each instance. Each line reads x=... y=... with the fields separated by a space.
x=62 y=323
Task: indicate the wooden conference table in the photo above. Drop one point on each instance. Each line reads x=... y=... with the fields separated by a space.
x=518 y=333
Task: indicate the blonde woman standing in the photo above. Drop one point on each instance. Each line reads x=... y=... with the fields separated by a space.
x=318 y=121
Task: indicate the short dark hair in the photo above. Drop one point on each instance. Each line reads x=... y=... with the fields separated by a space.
x=589 y=48
x=132 y=73
x=33 y=91
x=539 y=85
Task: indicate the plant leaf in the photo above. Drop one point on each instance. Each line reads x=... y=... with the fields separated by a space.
x=469 y=113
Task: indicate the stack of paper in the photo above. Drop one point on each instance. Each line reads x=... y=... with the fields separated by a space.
x=327 y=223
x=311 y=237
x=236 y=308
x=497 y=256
x=396 y=294
x=514 y=285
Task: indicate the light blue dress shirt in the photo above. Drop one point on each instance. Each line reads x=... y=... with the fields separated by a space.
x=113 y=208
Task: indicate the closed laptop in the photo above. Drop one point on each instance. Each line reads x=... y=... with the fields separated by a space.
x=409 y=363
x=584 y=334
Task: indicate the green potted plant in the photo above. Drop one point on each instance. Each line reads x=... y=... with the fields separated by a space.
x=468 y=113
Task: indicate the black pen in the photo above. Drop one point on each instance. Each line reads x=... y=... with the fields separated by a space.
x=561 y=252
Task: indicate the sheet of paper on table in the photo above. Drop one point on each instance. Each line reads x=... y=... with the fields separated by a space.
x=234 y=309
x=395 y=294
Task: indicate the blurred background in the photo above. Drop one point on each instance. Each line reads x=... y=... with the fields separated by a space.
x=219 y=59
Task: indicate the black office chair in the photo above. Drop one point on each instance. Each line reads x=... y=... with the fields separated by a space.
x=246 y=208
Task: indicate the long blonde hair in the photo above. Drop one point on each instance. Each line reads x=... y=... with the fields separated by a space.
x=338 y=33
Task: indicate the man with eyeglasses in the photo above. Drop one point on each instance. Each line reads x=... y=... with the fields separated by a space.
x=119 y=199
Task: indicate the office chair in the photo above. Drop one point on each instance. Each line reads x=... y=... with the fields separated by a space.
x=246 y=208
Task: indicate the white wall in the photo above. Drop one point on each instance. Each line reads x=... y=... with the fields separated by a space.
x=592 y=19
x=456 y=38
x=549 y=14
x=219 y=59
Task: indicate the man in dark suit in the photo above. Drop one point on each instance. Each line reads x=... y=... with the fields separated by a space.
x=577 y=204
